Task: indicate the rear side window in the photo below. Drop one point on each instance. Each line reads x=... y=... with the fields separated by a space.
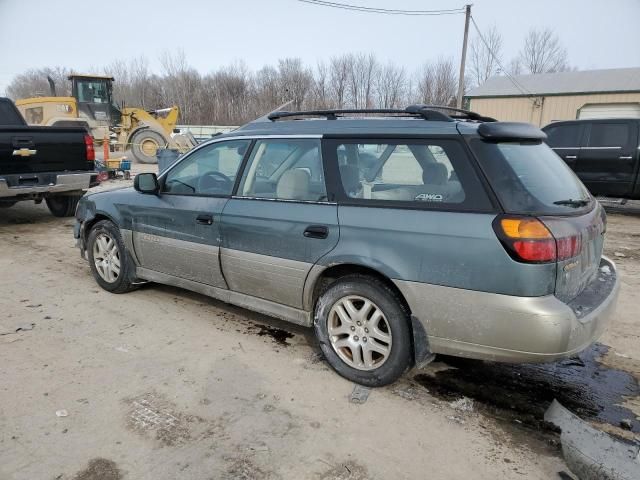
x=563 y=136
x=609 y=135
x=529 y=178
x=430 y=173
x=285 y=170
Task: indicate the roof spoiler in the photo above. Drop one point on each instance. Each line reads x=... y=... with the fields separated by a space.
x=505 y=131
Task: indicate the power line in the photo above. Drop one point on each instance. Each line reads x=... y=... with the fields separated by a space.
x=517 y=84
x=385 y=11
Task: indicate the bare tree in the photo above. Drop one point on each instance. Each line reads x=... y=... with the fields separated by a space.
x=485 y=57
x=391 y=86
x=320 y=89
x=363 y=69
x=33 y=83
x=543 y=52
x=437 y=84
x=294 y=81
x=338 y=77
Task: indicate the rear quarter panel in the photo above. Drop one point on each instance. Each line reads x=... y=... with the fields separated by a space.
x=451 y=249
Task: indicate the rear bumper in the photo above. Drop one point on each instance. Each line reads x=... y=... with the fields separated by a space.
x=506 y=328
x=40 y=183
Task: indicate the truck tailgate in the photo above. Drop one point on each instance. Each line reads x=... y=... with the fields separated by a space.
x=29 y=149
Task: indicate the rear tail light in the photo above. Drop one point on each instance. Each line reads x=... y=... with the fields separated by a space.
x=88 y=144
x=528 y=240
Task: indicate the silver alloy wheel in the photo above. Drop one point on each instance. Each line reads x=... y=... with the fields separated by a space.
x=106 y=257
x=359 y=332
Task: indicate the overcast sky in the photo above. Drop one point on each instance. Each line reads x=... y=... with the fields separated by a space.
x=79 y=34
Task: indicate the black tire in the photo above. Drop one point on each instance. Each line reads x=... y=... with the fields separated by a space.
x=400 y=357
x=63 y=205
x=122 y=283
x=145 y=136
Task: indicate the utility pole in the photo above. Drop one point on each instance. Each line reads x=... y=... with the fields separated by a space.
x=467 y=15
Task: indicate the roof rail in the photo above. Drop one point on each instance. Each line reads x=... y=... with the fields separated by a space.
x=334 y=114
x=427 y=112
x=465 y=114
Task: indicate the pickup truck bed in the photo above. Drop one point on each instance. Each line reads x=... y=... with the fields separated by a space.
x=55 y=164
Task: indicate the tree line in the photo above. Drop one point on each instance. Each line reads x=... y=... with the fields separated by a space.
x=235 y=94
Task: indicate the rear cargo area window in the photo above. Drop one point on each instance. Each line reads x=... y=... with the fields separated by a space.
x=529 y=178
x=421 y=173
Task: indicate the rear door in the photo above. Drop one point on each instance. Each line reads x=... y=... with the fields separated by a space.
x=565 y=140
x=607 y=161
x=280 y=222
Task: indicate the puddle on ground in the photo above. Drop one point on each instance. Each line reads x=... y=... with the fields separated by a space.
x=278 y=335
x=523 y=392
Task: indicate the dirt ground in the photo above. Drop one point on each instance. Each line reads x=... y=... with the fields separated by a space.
x=162 y=383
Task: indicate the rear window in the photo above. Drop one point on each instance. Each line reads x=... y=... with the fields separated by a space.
x=9 y=115
x=529 y=178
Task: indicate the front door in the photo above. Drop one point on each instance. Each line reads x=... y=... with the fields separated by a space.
x=178 y=231
x=607 y=162
x=280 y=223
x=565 y=140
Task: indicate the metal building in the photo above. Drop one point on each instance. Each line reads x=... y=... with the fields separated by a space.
x=544 y=98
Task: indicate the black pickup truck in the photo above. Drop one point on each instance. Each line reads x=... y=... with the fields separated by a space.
x=604 y=153
x=54 y=164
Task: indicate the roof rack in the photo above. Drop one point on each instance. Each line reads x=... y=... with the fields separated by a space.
x=427 y=112
x=463 y=114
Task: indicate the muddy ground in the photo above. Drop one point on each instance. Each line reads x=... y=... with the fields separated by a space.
x=163 y=384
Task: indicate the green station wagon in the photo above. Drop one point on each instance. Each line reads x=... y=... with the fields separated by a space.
x=395 y=234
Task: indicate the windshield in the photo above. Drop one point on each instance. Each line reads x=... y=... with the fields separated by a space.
x=530 y=178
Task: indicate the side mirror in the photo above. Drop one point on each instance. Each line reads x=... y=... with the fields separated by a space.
x=146 y=183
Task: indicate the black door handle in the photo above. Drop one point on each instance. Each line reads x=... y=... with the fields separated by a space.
x=204 y=219
x=316 y=231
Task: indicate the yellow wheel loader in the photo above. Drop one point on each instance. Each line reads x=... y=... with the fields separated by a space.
x=91 y=106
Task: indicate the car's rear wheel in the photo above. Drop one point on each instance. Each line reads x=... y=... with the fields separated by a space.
x=63 y=205
x=363 y=330
x=108 y=257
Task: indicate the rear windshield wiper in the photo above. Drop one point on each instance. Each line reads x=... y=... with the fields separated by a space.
x=572 y=203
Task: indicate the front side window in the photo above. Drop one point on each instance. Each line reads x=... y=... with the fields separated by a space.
x=285 y=170
x=210 y=170
x=404 y=172
x=609 y=135
x=563 y=136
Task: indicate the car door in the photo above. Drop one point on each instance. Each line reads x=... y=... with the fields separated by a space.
x=565 y=139
x=606 y=162
x=279 y=223
x=177 y=232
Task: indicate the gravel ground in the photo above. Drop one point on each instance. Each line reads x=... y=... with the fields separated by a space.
x=162 y=383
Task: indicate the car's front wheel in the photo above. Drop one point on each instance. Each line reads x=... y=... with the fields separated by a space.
x=108 y=257
x=363 y=330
